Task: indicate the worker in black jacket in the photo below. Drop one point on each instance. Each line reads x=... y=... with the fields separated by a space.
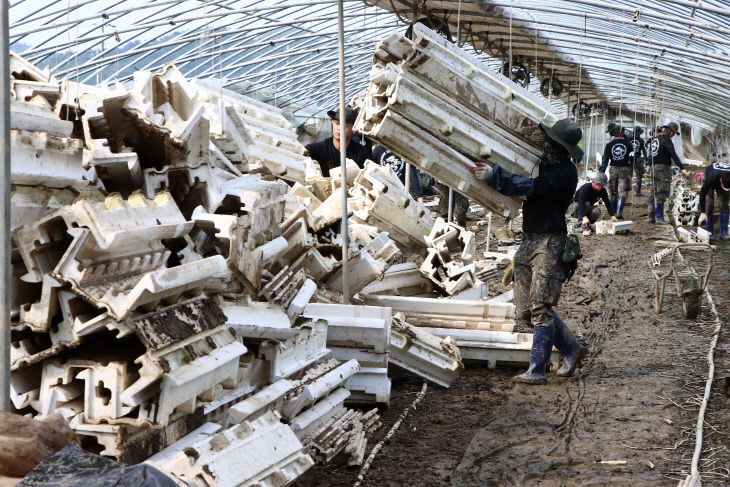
x=586 y=198
x=716 y=181
x=538 y=268
x=661 y=155
x=638 y=156
x=327 y=151
x=617 y=153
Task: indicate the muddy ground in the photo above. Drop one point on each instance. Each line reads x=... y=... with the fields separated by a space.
x=635 y=399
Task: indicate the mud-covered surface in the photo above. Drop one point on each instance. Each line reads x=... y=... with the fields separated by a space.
x=634 y=401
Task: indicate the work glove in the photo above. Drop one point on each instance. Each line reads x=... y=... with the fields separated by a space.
x=702 y=219
x=685 y=174
x=614 y=219
x=586 y=223
x=483 y=172
x=508 y=273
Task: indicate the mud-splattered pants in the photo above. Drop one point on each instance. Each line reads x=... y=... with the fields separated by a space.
x=661 y=175
x=619 y=182
x=723 y=198
x=639 y=168
x=538 y=278
x=461 y=204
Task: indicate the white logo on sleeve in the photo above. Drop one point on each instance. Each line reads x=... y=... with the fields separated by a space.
x=618 y=152
x=654 y=147
x=721 y=166
x=636 y=145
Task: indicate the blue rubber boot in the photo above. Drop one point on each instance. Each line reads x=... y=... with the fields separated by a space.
x=723 y=226
x=613 y=206
x=638 y=188
x=620 y=208
x=650 y=213
x=659 y=213
x=572 y=351
x=542 y=345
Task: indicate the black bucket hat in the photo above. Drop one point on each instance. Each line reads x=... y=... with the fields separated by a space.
x=614 y=129
x=672 y=126
x=350 y=114
x=638 y=130
x=567 y=133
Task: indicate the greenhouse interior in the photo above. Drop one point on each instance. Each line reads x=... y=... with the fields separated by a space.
x=365 y=243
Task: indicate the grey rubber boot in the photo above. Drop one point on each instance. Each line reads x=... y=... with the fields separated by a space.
x=542 y=346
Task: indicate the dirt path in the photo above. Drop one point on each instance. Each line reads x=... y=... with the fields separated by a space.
x=634 y=400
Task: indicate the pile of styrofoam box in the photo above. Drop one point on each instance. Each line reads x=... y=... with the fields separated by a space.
x=430 y=101
x=685 y=202
x=449 y=263
x=175 y=258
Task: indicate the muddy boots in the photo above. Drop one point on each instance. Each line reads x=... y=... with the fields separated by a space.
x=724 y=220
x=620 y=208
x=542 y=345
x=659 y=213
x=572 y=351
x=638 y=188
x=650 y=213
x=710 y=227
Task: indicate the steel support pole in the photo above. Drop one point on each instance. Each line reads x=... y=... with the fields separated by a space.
x=450 y=210
x=343 y=149
x=5 y=208
x=408 y=178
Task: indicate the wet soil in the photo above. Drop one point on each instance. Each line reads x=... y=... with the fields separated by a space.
x=635 y=399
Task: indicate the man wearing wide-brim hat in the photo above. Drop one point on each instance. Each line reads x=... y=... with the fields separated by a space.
x=327 y=152
x=539 y=271
x=661 y=154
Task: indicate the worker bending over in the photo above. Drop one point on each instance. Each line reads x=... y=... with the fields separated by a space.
x=586 y=198
x=716 y=181
x=539 y=271
x=661 y=155
x=327 y=152
x=617 y=153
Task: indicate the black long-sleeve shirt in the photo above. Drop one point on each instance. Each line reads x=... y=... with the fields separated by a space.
x=328 y=156
x=586 y=193
x=548 y=195
x=661 y=151
x=384 y=157
x=712 y=180
x=617 y=151
x=638 y=147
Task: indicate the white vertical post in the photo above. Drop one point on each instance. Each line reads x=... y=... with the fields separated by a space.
x=343 y=149
x=5 y=208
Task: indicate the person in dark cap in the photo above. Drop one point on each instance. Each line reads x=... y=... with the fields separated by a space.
x=586 y=198
x=638 y=156
x=617 y=153
x=327 y=152
x=539 y=271
x=661 y=156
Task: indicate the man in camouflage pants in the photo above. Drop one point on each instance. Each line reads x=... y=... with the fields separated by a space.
x=661 y=154
x=461 y=204
x=617 y=152
x=538 y=268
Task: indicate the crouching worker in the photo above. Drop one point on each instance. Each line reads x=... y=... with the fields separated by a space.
x=716 y=181
x=586 y=198
x=539 y=271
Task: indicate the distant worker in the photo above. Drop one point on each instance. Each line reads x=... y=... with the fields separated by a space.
x=327 y=152
x=619 y=183
x=539 y=270
x=716 y=183
x=660 y=157
x=638 y=156
x=385 y=157
x=461 y=204
x=586 y=198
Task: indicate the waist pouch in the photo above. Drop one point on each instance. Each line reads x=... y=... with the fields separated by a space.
x=571 y=255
